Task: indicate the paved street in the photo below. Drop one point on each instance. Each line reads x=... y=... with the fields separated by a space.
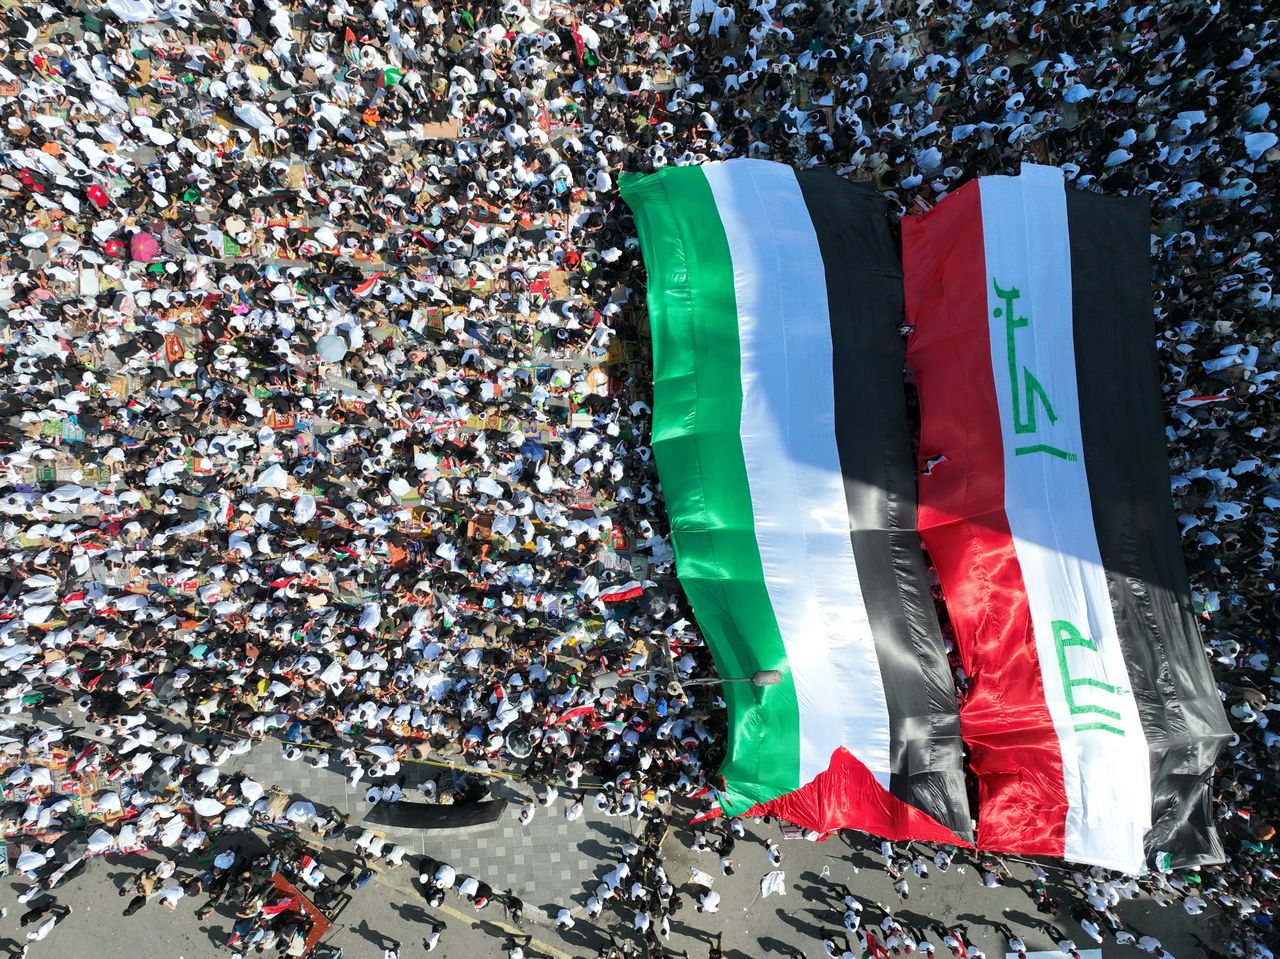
x=553 y=863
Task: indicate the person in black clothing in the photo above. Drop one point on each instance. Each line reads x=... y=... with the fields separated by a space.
x=513 y=906
x=716 y=951
x=39 y=911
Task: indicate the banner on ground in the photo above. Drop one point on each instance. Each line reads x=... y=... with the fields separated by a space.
x=781 y=440
x=1091 y=714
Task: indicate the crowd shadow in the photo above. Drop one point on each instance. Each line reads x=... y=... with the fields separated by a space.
x=684 y=929
x=918 y=920
x=217 y=936
x=816 y=890
x=798 y=924
x=372 y=936
x=585 y=935
x=1022 y=919
x=412 y=912
x=612 y=833
x=595 y=849
x=490 y=928
x=975 y=920
x=769 y=944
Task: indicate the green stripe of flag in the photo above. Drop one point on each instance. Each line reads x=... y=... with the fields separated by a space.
x=697 y=443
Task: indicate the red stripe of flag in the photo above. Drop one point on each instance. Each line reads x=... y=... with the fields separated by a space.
x=365 y=288
x=618 y=594
x=1005 y=719
x=846 y=792
x=1188 y=398
x=574 y=714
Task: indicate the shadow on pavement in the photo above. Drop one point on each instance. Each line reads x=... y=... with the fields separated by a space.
x=684 y=929
x=216 y=935
x=769 y=944
x=798 y=924
x=412 y=912
x=372 y=936
x=595 y=849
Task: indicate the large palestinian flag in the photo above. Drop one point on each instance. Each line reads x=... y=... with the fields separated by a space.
x=781 y=440
x=1091 y=714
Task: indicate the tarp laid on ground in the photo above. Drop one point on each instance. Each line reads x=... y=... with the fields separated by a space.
x=1091 y=714
x=781 y=440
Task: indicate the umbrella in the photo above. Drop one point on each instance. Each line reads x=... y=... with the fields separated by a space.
x=1256 y=144
x=37 y=615
x=108 y=802
x=132 y=11
x=73 y=846
x=273 y=477
x=172 y=831
x=30 y=861
x=253 y=116
x=207 y=806
x=13 y=812
x=300 y=811
x=143 y=247
x=518 y=745
x=304 y=508
x=128 y=838
x=331 y=349
x=101 y=841
x=163 y=687
x=155 y=779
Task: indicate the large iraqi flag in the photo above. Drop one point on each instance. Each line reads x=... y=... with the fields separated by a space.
x=780 y=433
x=1091 y=714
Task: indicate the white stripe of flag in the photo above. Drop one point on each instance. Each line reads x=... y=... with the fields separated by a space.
x=793 y=466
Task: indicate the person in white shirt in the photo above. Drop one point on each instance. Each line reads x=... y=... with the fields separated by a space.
x=469 y=888
x=433 y=937
x=1091 y=928
x=56 y=913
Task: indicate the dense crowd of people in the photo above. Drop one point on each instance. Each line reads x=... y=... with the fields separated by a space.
x=326 y=394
